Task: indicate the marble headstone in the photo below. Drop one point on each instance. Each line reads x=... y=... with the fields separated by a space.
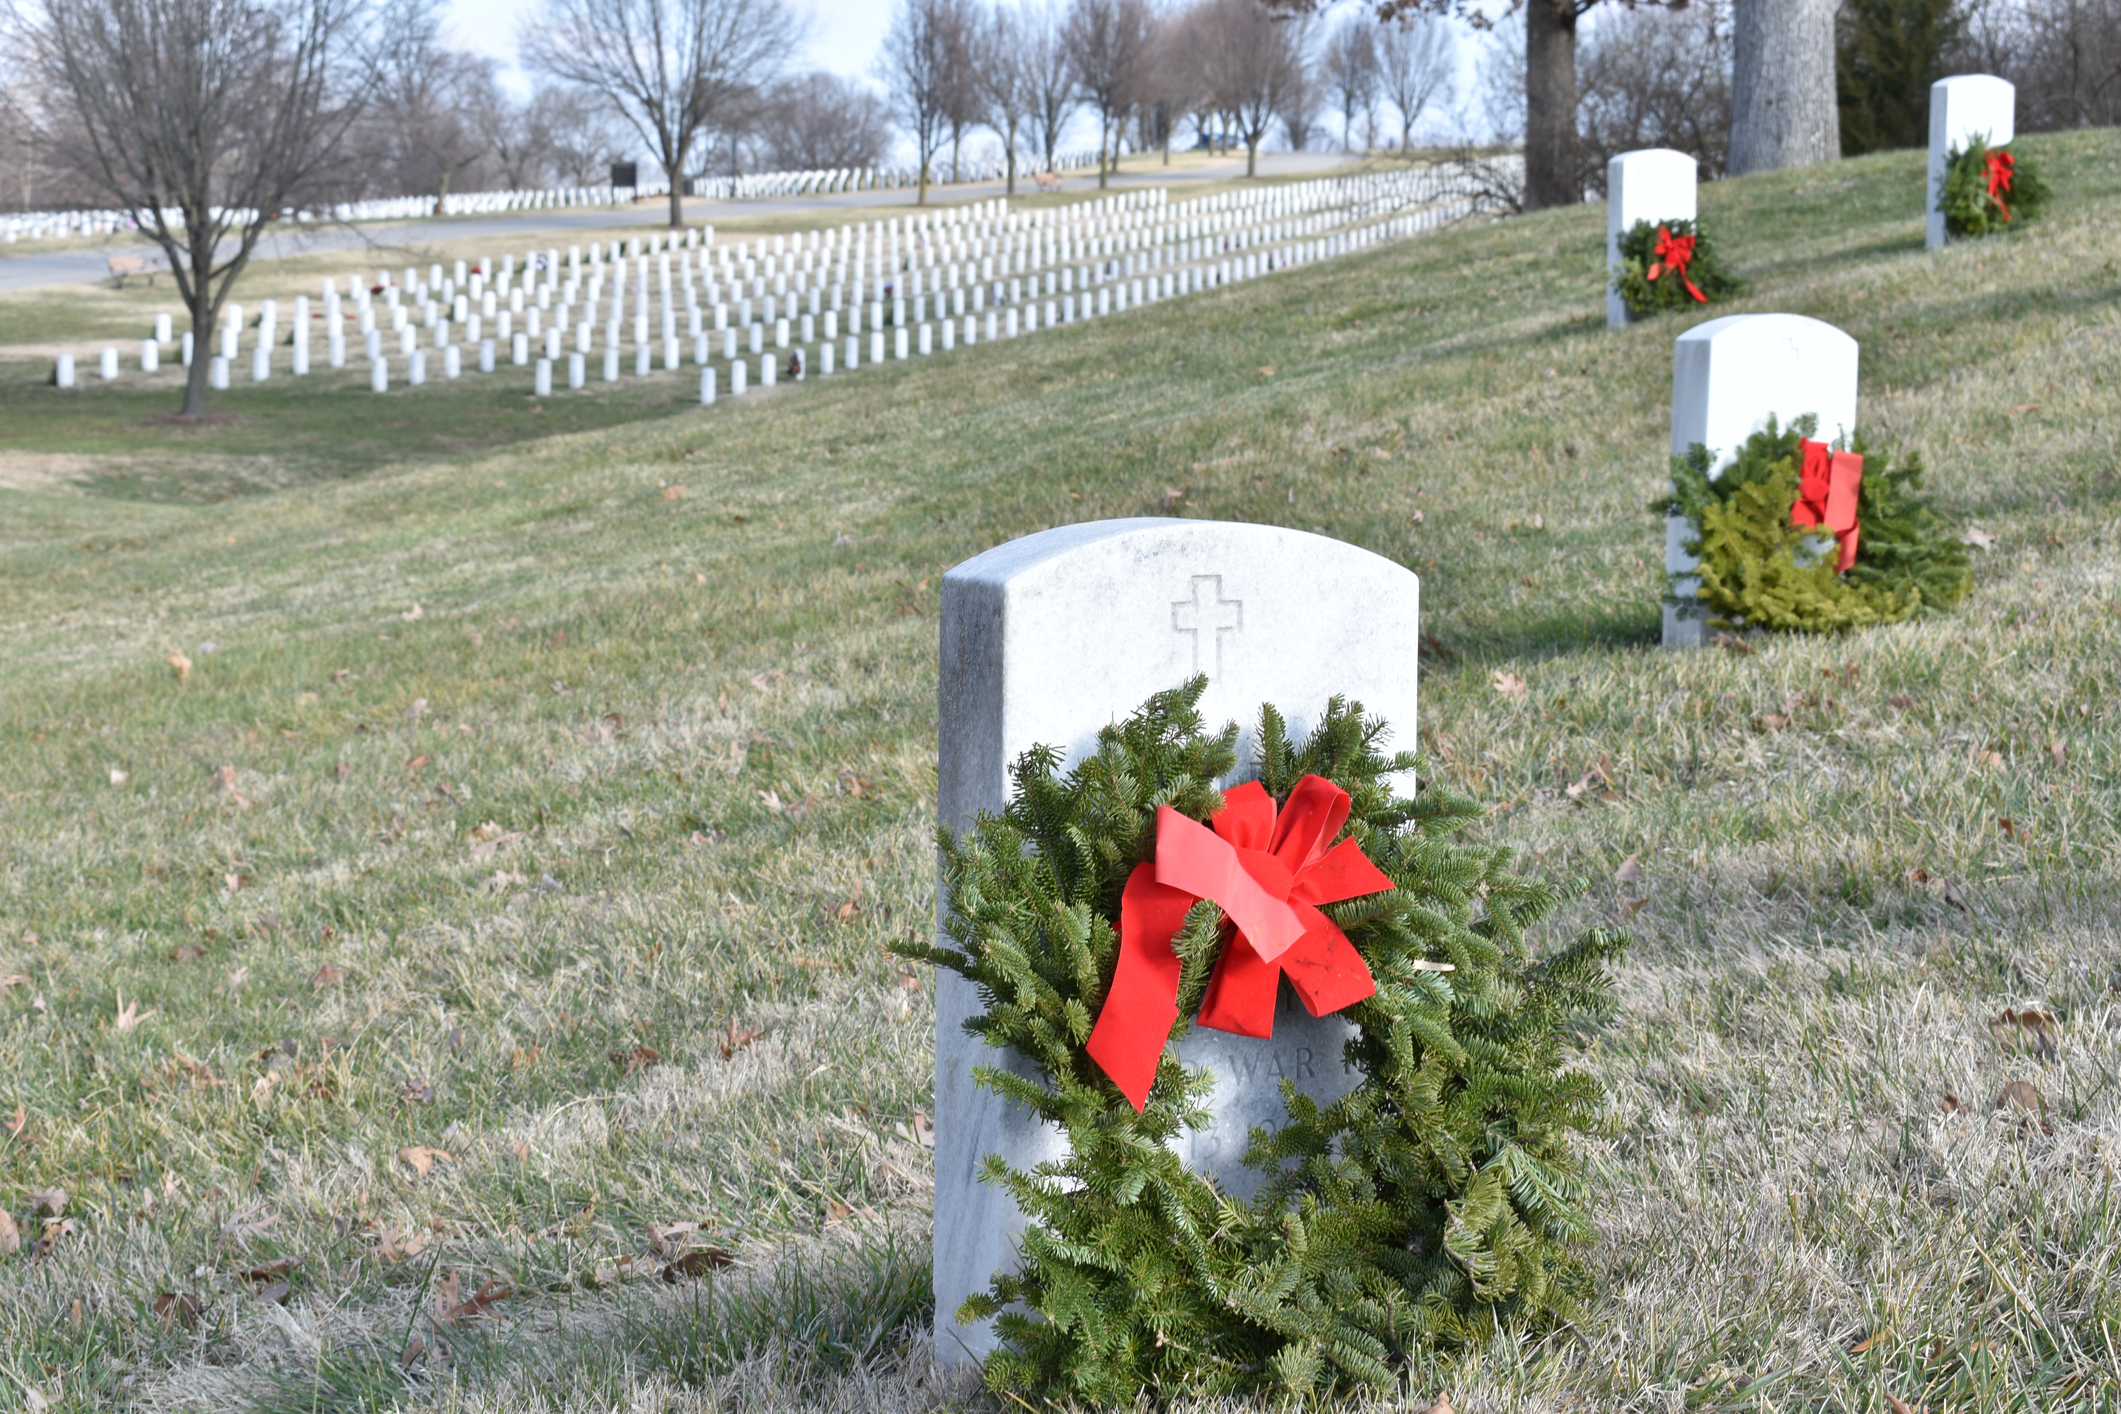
x=1049 y=638
x=1962 y=108
x=1728 y=377
x=1654 y=184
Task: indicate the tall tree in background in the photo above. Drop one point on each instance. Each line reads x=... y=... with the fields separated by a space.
x=964 y=99
x=203 y=117
x=1251 y=62
x=1008 y=83
x=822 y=122
x=1783 y=109
x=673 y=69
x=1414 y=67
x=1351 y=68
x=423 y=125
x=1887 y=54
x=915 y=66
x=1052 y=77
x=1109 y=44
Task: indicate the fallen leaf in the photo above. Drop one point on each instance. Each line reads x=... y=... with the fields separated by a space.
x=1897 y=1405
x=2023 y=408
x=1731 y=642
x=1630 y=870
x=418 y=764
x=671 y=493
x=1772 y=721
x=267 y=1272
x=2059 y=751
x=1979 y=539
x=765 y=682
x=17 y=1122
x=910 y=982
x=51 y=1200
x=224 y=779
x=118 y=777
x=923 y=1129
x=1951 y=1103
x=178 y=1309
x=10 y=1235
x=1867 y=1342
x=329 y=975
x=1442 y=1406
x=33 y=1400
x=1417 y=518
x=129 y=1014
x=1902 y=701
x=639 y=1058
x=698 y=1262
x=1951 y=896
x=847 y=910
x=178 y=662
x=1266 y=372
x=247 y=1224
x=237 y=977
x=422 y=1157
x=410 y=614
x=1509 y=684
x=13 y=979
x=418 y=1091
x=487 y=849
x=1170 y=499
x=735 y=1038
x=274 y=1295
x=836 y=1211
x=478 y=1304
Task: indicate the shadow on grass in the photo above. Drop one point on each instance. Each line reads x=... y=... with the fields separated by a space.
x=802 y=1322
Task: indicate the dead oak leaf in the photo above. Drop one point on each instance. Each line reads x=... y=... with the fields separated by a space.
x=49 y=1200
x=736 y=1038
x=422 y=1158
x=1509 y=684
x=478 y=1303
x=698 y=1262
x=329 y=975
x=179 y=664
x=639 y=1058
x=129 y=1014
x=178 y=1308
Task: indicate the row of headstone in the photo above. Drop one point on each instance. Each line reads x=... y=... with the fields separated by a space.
x=1657 y=184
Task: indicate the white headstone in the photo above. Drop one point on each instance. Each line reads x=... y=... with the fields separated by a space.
x=1654 y=184
x=541 y=379
x=1049 y=638
x=63 y=371
x=706 y=387
x=416 y=368
x=452 y=362
x=1728 y=377
x=1962 y=108
x=107 y=363
x=217 y=373
x=150 y=355
x=577 y=371
x=485 y=356
x=379 y=375
x=611 y=365
x=736 y=378
x=162 y=328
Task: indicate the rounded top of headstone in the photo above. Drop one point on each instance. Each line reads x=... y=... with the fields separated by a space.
x=1651 y=157
x=1739 y=331
x=1956 y=84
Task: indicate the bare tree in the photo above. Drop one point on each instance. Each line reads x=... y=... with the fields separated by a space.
x=1414 y=67
x=1252 y=63
x=1783 y=108
x=1052 y=77
x=964 y=101
x=1007 y=79
x=521 y=137
x=821 y=122
x=1657 y=78
x=585 y=135
x=1109 y=43
x=673 y=69
x=916 y=69
x=204 y=118
x=1351 y=67
x=422 y=127
x=1301 y=100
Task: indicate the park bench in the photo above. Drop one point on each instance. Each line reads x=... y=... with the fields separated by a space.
x=122 y=266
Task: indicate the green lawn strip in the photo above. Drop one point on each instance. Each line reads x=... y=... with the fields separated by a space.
x=688 y=664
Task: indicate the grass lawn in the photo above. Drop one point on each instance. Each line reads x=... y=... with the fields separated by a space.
x=498 y=902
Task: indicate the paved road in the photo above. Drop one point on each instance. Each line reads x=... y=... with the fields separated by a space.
x=398 y=240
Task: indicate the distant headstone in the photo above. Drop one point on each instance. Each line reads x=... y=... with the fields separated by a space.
x=379 y=375
x=1049 y=638
x=1963 y=108
x=1728 y=377
x=706 y=386
x=1655 y=184
x=541 y=379
x=107 y=363
x=63 y=371
x=150 y=355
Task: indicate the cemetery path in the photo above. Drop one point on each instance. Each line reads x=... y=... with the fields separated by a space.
x=81 y=265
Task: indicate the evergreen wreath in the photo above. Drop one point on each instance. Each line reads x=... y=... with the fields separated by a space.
x=1437 y=1199
x=1988 y=188
x=1760 y=569
x=1685 y=272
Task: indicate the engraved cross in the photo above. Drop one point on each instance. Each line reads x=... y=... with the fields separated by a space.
x=1205 y=613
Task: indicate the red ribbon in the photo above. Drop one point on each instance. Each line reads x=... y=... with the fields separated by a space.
x=1826 y=495
x=1674 y=254
x=2000 y=170
x=1268 y=873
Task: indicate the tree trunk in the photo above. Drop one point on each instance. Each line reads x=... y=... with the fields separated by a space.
x=1104 y=140
x=1550 y=105
x=1251 y=155
x=1783 y=110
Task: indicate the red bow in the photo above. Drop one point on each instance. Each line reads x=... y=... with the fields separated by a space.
x=1267 y=874
x=1674 y=254
x=1826 y=495
x=2000 y=170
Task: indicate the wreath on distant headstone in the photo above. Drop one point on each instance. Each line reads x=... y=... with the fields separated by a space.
x=1808 y=536
x=1988 y=188
x=1435 y=1200
x=1670 y=265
